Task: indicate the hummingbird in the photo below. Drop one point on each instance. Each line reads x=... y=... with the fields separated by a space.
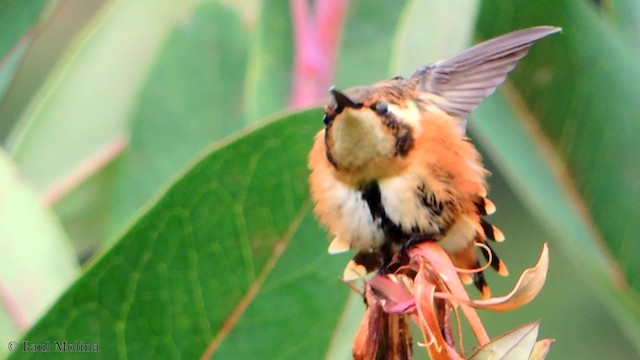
x=393 y=165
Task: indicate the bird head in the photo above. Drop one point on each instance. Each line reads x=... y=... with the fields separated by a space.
x=370 y=129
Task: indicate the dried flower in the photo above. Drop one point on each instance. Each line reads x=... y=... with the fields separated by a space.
x=428 y=290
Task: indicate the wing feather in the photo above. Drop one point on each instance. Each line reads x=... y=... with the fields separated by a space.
x=463 y=81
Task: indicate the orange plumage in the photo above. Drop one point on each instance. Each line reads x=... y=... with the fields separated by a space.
x=393 y=164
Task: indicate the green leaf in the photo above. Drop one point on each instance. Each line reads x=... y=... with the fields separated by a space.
x=16 y=18
x=53 y=36
x=268 y=83
x=191 y=98
x=367 y=38
x=10 y=62
x=577 y=102
x=229 y=255
x=340 y=346
x=541 y=349
x=18 y=23
x=432 y=30
x=38 y=262
x=500 y=129
x=299 y=305
x=85 y=103
x=84 y=211
x=516 y=344
x=626 y=15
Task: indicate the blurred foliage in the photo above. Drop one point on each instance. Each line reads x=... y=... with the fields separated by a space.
x=209 y=237
x=197 y=76
x=582 y=100
x=38 y=262
x=58 y=24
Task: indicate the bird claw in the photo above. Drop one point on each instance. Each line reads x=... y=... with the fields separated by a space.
x=414 y=240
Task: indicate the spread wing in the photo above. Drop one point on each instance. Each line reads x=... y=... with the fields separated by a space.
x=463 y=81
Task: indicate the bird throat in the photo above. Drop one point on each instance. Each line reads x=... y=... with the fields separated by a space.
x=360 y=143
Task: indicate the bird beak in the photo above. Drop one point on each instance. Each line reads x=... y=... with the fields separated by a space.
x=343 y=100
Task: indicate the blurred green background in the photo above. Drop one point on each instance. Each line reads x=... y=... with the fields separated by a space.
x=153 y=195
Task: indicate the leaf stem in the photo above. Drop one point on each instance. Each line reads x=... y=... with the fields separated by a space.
x=87 y=168
x=242 y=305
x=316 y=43
x=13 y=308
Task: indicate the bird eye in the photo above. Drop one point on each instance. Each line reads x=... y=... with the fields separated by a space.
x=326 y=120
x=381 y=107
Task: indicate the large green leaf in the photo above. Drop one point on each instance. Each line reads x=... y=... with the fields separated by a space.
x=578 y=103
x=191 y=98
x=38 y=262
x=229 y=257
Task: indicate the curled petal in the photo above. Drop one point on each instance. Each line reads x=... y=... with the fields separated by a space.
x=427 y=319
x=439 y=260
x=380 y=334
x=365 y=343
x=528 y=286
x=397 y=297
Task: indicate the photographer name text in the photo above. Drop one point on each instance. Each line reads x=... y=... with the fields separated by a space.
x=53 y=346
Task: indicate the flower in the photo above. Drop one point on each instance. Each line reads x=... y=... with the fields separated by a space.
x=428 y=290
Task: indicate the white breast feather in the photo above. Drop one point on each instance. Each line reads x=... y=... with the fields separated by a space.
x=355 y=222
x=403 y=205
